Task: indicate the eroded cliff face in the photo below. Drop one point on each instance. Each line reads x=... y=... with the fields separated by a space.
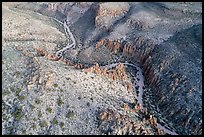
x=177 y=63
x=163 y=38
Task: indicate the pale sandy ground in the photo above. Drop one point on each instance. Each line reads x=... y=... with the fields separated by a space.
x=81 y=93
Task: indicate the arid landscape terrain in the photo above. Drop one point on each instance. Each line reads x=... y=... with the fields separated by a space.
x=102 y=68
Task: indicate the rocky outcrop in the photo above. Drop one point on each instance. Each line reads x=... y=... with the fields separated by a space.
x=177 y=64
x=108 y=13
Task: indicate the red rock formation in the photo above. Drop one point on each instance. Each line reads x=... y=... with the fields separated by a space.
x=137 y=108
x=103 y=116
x=66 y=62
x=153 y=121
x=52 y=57
x=126 y=107
x=41 y=51
x=129 y=86
x=110 y=45
x=115 y=74
x=90 y=69
x=104 y=72
x=78 y=66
